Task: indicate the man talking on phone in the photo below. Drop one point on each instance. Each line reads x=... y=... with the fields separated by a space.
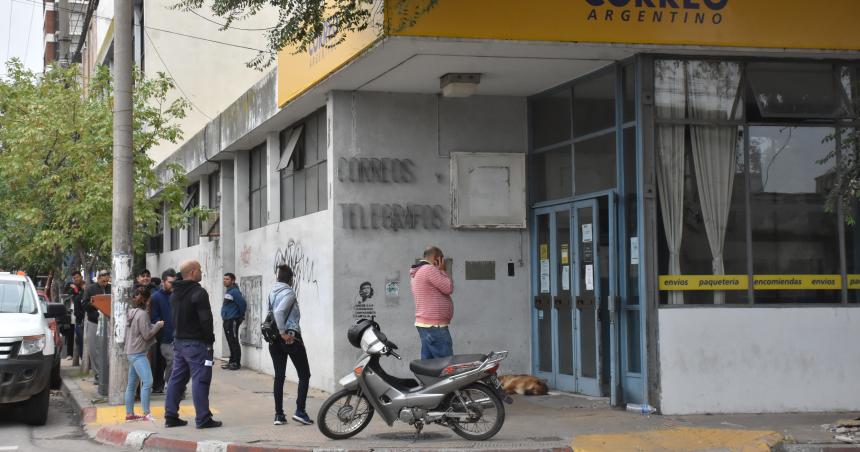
x=432 y=289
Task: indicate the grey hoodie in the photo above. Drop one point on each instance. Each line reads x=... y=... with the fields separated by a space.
x=282 y=298
x=139 y=333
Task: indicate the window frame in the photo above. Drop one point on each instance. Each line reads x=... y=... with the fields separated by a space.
x=192 y=231
x=257 y=152
x=299 y=168
x=837 y=122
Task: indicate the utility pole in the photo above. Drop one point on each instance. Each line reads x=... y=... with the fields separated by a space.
x=123 y=196
x=64 y=39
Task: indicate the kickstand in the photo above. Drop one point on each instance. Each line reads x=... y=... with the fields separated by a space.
x=418 y=427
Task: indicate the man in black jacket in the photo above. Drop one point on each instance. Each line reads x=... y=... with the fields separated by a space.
x=75 y=293
x=194 y=334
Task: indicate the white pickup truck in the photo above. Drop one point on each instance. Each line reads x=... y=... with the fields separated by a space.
x=28 y=355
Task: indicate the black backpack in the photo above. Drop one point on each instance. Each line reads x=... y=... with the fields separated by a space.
x=269 y=327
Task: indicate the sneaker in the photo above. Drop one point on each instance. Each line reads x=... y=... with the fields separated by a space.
x=280 y=419
x=211 y=423
x=148 y=417
x=302 y=418
x=170 y=421
x=132 y=417
x=225 y=365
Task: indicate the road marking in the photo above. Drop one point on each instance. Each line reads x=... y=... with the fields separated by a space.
x=8 y=447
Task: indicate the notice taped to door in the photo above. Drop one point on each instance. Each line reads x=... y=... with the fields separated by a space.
x=544 y=276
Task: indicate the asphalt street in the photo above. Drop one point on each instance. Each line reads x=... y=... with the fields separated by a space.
x=62 y=431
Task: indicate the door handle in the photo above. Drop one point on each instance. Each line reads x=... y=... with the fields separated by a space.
x=580 y=303
x=539 y=302
x=556 y=301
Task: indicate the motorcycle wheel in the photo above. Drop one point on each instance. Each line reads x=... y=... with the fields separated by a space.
x=344 y=414
x=486 y=412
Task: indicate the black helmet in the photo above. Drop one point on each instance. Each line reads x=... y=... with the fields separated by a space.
x=356 y=330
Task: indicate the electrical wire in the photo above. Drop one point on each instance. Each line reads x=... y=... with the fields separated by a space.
x=163 y=63
x=215 y=41
x=230 y=27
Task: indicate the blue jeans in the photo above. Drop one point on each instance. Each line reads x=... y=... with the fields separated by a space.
x=138 y=370
x=192 y=360
x=435 y=342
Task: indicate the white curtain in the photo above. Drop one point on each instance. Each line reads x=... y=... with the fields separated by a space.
x=711 y=92
x=670 y=103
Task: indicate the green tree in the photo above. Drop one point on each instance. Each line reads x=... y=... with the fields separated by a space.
x=301 y=23
x=56 y=165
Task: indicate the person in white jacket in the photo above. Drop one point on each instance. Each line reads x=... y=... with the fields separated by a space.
x=139 y=336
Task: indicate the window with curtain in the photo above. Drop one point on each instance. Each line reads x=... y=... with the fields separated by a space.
x=709 y=174
x=257 y=188
x=303 y=167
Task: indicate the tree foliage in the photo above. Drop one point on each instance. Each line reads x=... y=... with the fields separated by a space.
x=302 y=24
x=56 y=165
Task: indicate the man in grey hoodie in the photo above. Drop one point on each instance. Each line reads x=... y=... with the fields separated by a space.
x=285 y=307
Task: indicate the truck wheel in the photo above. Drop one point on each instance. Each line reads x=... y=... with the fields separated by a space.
x=36 y=409
x=56 y=379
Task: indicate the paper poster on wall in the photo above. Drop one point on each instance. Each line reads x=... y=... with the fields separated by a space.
x=634 y=250
x=565 y=277
x=544 y=251
x=586 y=233
x=589 y=277
x=544 y=276
x=565 y=254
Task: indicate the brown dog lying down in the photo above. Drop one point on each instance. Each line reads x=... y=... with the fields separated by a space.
x=523 y=384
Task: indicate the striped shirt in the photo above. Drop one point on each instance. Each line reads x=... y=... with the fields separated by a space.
x=432 y=289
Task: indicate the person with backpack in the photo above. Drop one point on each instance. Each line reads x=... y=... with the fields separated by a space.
x=139 y=336
x=284 y=308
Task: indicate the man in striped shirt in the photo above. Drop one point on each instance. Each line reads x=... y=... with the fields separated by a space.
x=432 y=289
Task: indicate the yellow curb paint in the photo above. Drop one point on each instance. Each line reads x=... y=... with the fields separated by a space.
x=110 y=415
x=679 y=439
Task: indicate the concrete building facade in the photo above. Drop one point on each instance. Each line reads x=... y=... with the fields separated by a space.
x=631 y=195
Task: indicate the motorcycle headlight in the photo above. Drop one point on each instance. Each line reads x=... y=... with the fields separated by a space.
x=32 y=345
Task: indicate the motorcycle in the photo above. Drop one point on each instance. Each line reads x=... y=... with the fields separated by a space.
x=460 y=392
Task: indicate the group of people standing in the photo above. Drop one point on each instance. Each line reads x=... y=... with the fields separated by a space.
x=173 y=320
x=177 y=319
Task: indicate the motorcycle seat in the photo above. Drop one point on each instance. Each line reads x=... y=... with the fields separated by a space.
x=433 y=367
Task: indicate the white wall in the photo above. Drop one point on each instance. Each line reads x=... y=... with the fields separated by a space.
x=488 y=315
x=211 y=75
x=307 y=241
x=754 y=360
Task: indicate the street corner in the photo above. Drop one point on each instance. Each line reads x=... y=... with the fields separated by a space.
x=680 y=439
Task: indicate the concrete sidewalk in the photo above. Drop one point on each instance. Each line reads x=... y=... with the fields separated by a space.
x=243 y=400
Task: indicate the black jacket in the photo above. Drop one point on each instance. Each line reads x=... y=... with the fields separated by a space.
x=86 y=302
x=191 y=312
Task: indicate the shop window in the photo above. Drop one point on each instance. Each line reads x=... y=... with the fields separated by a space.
x=550 y=118
x=795 y=90
x=551 y=174
x=629 y=105
x=631 y=216
x=192 y=201
x=257 y=205
x=302 y=167
x=594 y=104
x=594 y=164
x=708 y=175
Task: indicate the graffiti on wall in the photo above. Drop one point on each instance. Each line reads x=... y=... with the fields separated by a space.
x=245 y=256
x=302 y=265
x=362 y=307
x=252 y=289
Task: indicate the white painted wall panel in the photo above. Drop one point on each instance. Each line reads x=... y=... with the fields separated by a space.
x=755 y=360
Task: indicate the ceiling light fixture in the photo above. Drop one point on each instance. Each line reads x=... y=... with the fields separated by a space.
x=459 y=85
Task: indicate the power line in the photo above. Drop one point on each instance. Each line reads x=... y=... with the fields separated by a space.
x=146 y=33
x=222 y=25
x=215 y=41
x=29 y=32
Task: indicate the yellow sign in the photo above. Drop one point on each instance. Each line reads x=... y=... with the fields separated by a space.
x=800 y=24
x=703 y=282
x=779 y=24
x=544 y=251
x=565 y=254
x=795 y=282
x=297 y=72
x=760 y=282
x=854 y=281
